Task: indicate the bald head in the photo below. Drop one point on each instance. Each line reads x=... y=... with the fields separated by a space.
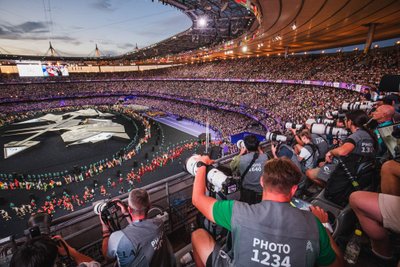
x=383 y=113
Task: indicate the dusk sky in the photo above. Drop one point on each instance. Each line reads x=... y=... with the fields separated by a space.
x=74 y=27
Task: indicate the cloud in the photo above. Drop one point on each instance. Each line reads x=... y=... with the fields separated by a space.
x=77 y=27
x=31 y=32
x=109 y=52
x=148 y=34
x=32 y=26
x=6 y=34
x=104 y=5
x=27 y=27
x=126 y=46
x=75 y=42
x=101 y=42
x=2 y=31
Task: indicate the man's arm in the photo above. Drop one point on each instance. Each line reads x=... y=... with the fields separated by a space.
x=234 y=165
x=343 y=150
x=298 y=139
x=273 y=151
x=323 y=218
x=199 y=199
x=339 y=258
x=236 y=160
x=77 y=256
x=106 y=236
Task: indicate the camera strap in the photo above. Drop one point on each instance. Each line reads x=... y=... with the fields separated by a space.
x=66 y=260
x=352 y=178
x=314 y=149
x=255 y=157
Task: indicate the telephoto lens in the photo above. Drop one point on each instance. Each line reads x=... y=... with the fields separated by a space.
x=275 y=137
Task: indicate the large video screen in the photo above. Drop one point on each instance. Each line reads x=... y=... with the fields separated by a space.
x=37 y=69
x=55 y=70
x=29 y=69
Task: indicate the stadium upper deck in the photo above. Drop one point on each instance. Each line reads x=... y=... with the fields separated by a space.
x=249 y=28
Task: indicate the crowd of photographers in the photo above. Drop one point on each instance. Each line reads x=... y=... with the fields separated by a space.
x=354 y=160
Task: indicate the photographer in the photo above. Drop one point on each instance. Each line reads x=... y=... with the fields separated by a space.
x=358 y=149
x=43 y=251
x=320 y=141
x=249 y=164
x=143 y=242
x=307 y=153
x=288 y=236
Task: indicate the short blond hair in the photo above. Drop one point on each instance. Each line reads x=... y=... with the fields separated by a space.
x=139 y=201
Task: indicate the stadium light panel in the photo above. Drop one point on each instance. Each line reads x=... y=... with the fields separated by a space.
x=202 y=22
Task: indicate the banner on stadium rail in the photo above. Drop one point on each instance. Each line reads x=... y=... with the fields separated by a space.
x=340 y=85
x=242 y=135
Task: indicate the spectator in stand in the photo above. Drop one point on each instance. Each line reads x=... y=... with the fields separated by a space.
x=255 y=234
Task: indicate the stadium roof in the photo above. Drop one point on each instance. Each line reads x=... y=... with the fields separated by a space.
x=304 y=25
x=259 y=27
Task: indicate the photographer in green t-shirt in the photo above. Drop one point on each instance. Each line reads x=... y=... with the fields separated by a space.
x=271 y=232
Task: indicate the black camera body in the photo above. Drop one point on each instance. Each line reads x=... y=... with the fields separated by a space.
x=38 y=228
x=216 y=180
x=229 y=186
x=108 y=210
x=38 y=224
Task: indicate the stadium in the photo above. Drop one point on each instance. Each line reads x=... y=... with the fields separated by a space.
x=79 y=132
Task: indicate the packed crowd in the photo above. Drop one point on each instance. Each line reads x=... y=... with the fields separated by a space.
x=264 y=102
x=226 y=123
x=354 y=67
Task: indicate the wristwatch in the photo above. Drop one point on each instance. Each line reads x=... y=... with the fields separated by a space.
x=200 y=164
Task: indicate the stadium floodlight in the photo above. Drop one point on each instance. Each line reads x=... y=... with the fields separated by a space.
x=202 y=22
